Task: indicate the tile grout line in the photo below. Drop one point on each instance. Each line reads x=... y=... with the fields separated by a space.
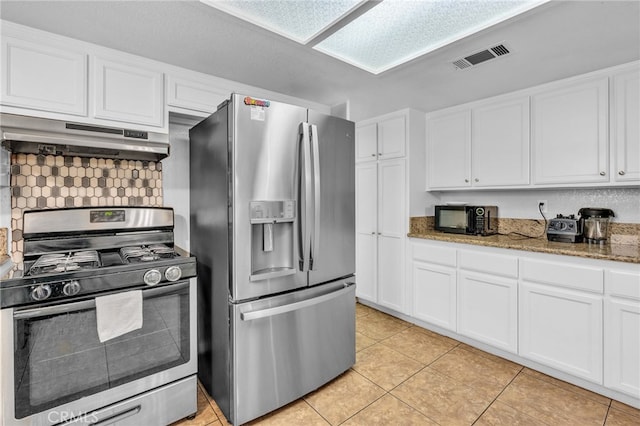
x=498 y=396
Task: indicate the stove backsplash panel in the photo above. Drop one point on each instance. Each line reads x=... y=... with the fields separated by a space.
x=44 y=182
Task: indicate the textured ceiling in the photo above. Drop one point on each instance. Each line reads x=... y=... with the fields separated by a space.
x=556 y=40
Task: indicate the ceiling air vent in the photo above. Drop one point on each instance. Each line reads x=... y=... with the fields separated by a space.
x=482 y=56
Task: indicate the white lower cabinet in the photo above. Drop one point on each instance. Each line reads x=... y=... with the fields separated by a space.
x=561 y=317
x=390 y=272
x=434 y=294
x=575 y=319
x=433 y=281
x=488 y=298
x=381 y=232
x=622 y=332
x=488 y=309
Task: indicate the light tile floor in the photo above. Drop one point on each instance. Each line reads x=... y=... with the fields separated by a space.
x=406 y=375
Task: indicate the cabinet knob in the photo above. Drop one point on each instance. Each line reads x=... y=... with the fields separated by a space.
x=621 y=172
x=602 y=173
x=477 y=180
x=373 y=233
x=379 y=153
x=466 y=180
x=373 y=155
x=379 y=233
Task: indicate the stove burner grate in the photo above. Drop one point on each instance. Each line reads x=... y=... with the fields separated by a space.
x=146 y=253
x=65 y=262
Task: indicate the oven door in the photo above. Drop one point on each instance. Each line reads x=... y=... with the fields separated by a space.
x=58 y=368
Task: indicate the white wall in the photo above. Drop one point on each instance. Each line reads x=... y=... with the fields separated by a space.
x=175 y=176
x=523 y=204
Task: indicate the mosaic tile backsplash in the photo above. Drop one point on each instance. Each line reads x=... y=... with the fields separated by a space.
x=44 y=182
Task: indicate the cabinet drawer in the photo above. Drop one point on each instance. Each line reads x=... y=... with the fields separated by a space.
x=623 y=284
x=563 y=274
x=495 y=264
x=433 y=254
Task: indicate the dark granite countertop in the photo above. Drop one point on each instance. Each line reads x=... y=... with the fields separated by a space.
x=615 y=252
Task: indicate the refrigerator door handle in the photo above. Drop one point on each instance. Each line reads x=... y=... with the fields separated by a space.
x=315 y=238
x=304 y=180
x=277 y=310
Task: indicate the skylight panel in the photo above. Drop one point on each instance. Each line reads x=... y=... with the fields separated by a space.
x=396 y=31
x=299 y=20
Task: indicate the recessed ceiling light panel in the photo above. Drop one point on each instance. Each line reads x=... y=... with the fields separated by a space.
x=299 y=20
x=396 y=31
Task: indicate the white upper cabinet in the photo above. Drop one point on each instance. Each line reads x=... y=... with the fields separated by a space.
x=570 y=133
x=367 y=142
x=382 y=140
x=486 y=145
x=43 y=77
x=449 y=150
x=625 y=124
x=500 y=143
x=579 y=132
x=391 y=137
x=127 y=92
x=193 y=94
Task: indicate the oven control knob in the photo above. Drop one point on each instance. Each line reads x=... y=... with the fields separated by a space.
x=173 y=273
x=71 y=288
x=41 y=292
x=152 y=277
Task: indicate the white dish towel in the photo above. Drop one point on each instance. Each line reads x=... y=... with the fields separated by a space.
x=118 y=314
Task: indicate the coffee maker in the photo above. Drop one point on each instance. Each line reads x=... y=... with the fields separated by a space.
x=595 y=224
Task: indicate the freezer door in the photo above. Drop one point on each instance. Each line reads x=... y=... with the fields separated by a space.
x=265 y=150
x=333 y=239
x=287 y=346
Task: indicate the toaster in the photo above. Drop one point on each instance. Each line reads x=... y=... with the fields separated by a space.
x=565 y=229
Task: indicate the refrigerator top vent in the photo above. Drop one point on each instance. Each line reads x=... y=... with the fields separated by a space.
x=481 y=56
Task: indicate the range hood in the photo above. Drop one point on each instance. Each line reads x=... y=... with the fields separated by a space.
x=33 y=135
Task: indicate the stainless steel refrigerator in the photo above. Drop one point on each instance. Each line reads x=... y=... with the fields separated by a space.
x=272 y=226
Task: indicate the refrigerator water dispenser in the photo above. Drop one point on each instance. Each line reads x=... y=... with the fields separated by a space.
x=272 y=239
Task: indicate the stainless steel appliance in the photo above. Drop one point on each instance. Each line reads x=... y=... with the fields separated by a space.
x=273 y=227
x=472 y=220
x=34 y=135
x=595 y=223
x=54 y=366
x=565 y=229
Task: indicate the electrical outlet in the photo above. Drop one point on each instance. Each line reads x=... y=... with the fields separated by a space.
x=544 y=206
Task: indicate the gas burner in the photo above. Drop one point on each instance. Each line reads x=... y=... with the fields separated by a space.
x=146 y=253
x=65 y=262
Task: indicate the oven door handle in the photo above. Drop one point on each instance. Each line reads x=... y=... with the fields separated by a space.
x=89 y=304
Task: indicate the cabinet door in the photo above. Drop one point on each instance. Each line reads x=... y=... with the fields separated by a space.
x=449 y=145
x=43 y=77
x=391 y=198
x=622 y=345
x=569 y=133
x=127 y=93
x=366 y=266
x=391 y=138
x=391 y=233
x=391 y=272
x=366 y=230
x=561 y=328
x=626 y=125
x=500 y=143
x=194 y=95
x=487 y=308
x=434 y=294
x=367 y=142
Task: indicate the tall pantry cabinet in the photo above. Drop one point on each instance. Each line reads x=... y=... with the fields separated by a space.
x=388 y=149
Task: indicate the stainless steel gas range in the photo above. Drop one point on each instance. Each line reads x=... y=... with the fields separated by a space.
x=57 y=366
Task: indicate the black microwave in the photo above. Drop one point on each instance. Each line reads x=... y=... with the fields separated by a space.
x=470 y=220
